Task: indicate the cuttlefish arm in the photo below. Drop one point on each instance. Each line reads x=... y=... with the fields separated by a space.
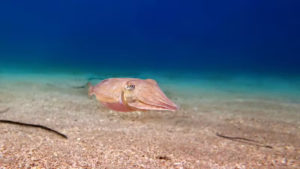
x=146 y=95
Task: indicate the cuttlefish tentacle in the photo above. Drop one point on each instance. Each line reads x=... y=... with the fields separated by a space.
x=129 y=94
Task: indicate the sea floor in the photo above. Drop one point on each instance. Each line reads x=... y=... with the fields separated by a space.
x=222 y=123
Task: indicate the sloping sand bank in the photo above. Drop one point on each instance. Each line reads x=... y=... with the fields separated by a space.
x=100 y=138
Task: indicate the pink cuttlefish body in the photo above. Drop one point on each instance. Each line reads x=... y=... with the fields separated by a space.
x=131 y=94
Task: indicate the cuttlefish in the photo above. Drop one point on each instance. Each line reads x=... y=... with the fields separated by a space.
x=131 y=94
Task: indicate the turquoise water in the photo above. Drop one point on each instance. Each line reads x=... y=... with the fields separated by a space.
x=180 y=84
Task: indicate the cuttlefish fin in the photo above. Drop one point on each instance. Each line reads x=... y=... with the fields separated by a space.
x=151 y=81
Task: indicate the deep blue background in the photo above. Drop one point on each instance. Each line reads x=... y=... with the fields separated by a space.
x=251 y=35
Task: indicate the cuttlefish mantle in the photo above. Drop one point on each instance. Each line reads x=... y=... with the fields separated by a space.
x=131 y=94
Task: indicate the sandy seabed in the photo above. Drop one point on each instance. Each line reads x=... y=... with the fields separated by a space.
x=100 y=138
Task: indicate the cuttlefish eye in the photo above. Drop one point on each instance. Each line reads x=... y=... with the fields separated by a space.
x=130 y=87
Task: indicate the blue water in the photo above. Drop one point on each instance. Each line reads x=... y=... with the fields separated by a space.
x=248 y=47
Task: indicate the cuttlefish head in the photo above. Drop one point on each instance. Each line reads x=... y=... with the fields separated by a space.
x=140 y=94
